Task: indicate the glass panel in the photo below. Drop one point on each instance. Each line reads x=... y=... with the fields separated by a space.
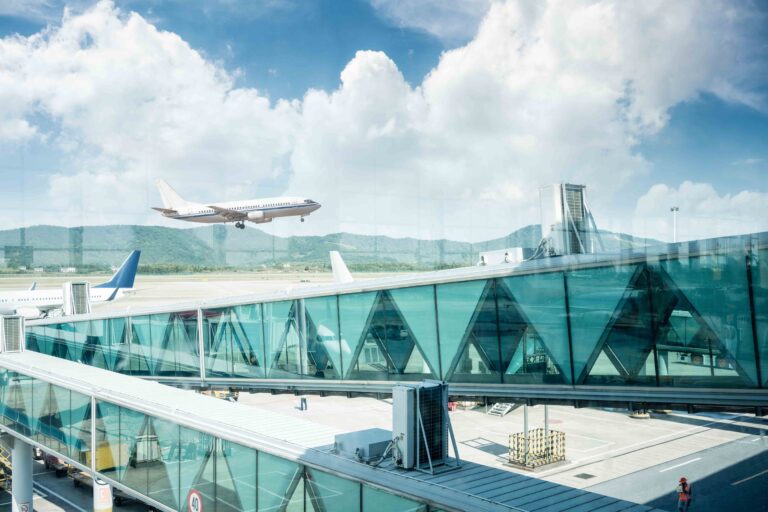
x=141 y=346
x=354 y=310
x=40 y=403
x=375 y=500
x=284 y=357
x=76 y=344
x=248 y=344
x=195 y=450
x=278 y=479
x=137 y=450
x=19 y=403
x=388 y=349
x=80 y=440
x=60 y=402
x=456 y=304
x=593 y=297
x=417 y=307
x=330 y=493
x=233 y=341
x=760 y=291
x=323 y=344
x=625 y=352
x=544 y=353
x=161 y=327
x=96 y=350
x=236 y=478
x=55 y=420
x=218 y=334
x=183 y=342
x=164 y=469
x=117 y=329
x=715 y=291
x=477 y=358
x=110 y=457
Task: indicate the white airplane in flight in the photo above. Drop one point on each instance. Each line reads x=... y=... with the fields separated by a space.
x=34 y=303
x=257 y=211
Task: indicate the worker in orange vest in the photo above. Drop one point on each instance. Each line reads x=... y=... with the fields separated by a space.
x=684 y=495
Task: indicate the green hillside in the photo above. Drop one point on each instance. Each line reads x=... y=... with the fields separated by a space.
x=220 y=246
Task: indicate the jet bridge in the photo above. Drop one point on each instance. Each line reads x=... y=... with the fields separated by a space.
x=678 y=325
x=178 y=450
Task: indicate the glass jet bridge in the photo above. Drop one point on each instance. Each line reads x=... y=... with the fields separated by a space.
x=681 y=324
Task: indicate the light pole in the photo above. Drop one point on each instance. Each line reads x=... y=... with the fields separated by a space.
x=674 y=211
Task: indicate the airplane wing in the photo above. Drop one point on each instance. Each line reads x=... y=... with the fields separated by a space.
x=228 y=214
x=166 y=211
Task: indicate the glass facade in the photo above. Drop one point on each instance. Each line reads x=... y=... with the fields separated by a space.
x=694 y=316
x=166 y=461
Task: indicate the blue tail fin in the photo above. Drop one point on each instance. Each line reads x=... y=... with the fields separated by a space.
x=125 y=275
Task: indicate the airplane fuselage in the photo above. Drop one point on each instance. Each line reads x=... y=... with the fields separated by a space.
x=45 y=300
x=254 y=210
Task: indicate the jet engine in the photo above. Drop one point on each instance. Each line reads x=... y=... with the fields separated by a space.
x=256 y=216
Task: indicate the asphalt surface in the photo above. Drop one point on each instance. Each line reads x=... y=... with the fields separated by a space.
x=52 y=494
x=729 y=477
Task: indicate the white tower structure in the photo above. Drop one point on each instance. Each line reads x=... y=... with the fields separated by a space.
x=567 y=224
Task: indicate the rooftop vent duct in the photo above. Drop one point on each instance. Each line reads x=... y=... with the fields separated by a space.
x=77 y=298
x=11 y=333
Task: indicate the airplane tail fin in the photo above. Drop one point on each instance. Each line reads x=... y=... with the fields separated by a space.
x=126 y=274
x=341 y=273
x=171 y=199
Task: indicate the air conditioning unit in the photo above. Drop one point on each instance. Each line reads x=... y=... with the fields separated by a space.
x=77 y=298
x=12 y=333
x=420 y=425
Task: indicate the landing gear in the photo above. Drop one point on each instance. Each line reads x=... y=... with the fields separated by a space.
x=240 y=225
x=302 y=219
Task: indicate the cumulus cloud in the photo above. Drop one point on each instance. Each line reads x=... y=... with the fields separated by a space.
x=703 y=213
x=135 y=102
x=453 y=21
x=544 y=92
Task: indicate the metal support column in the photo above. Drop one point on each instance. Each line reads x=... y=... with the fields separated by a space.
x=546 y=428
x=525 y=432
x=21 y=458
x=301 y=324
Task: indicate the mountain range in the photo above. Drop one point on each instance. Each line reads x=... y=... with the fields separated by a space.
x=222 y=246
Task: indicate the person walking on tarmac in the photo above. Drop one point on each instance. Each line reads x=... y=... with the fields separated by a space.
x=684 y=495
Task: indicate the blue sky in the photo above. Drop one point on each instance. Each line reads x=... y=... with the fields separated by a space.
x=434 y=112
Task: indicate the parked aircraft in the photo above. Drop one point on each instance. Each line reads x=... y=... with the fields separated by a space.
x=34 y=303
x=257 y=211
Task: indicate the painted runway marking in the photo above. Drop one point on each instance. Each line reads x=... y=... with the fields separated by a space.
x=750 y=477
x=59 y=496
x=682 y=464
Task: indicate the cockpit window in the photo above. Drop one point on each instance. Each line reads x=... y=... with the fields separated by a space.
x=308 y=201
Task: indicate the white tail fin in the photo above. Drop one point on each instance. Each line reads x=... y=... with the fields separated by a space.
x=171 y=200
x=341 y=273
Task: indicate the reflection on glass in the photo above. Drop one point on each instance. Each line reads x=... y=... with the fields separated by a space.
x=331 y=493
x=388 y=349
x=278 y=481
x=283 y=347
x=322 y=334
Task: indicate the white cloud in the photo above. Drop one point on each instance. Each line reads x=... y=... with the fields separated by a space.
x=450 y=20
x=545 y=92
x=703 y=213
